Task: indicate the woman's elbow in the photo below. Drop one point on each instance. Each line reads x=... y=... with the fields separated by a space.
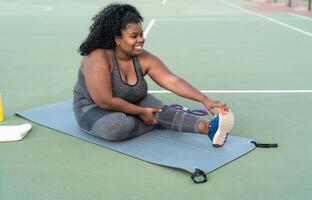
x=171 y=83
x=104 y=103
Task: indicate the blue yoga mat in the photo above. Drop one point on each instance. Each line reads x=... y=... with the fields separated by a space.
x=186 y=151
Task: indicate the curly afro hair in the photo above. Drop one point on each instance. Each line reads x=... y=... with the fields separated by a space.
x=107 y=24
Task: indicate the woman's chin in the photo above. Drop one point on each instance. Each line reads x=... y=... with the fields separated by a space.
x=137 y=51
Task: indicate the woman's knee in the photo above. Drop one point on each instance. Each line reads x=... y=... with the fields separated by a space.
x=113 y=128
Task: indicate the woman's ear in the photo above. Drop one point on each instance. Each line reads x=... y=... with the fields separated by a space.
x=118 y=40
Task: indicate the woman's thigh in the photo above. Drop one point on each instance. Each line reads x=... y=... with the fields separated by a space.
x=109 y=125
x=112 y=125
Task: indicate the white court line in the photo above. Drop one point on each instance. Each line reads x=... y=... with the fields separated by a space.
x=163 y=2
x=238 y=91
x=267 y=18
x=300 y=16
x=149 y=27
x=217 y=19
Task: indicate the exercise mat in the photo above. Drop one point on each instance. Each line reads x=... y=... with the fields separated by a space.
x=191 y=152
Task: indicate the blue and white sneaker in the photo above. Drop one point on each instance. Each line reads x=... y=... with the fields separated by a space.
x=219 y=128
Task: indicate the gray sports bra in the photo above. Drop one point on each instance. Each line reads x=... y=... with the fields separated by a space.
x=131 y=93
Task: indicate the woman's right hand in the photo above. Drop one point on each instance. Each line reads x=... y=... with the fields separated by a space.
x=211 y=104
x=147 y=116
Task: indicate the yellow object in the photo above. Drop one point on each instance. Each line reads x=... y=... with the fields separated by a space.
x=1 y=110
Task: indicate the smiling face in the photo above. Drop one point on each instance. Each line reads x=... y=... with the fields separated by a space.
x=131 y=41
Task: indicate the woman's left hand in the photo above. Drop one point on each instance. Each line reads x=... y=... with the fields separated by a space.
x=211 y=105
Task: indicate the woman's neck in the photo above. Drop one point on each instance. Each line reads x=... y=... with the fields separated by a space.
x=120 y=55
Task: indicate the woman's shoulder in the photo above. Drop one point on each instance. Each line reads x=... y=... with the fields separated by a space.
x=147 y=60
x=147 y=56
x=100 y=54
x=98 y=57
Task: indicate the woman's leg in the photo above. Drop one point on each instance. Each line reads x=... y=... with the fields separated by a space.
x=217 y=129
x=181 y=121
x=110 y=125
x=116 y=126
x=175 y=119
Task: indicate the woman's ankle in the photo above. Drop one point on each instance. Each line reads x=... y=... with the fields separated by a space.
x=203 y=127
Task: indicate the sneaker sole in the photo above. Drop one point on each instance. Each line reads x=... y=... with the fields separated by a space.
x=226 y=123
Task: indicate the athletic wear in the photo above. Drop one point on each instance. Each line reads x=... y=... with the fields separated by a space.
x=131 y=93
x=178 y=120
x=219 y=128
x=115 y=126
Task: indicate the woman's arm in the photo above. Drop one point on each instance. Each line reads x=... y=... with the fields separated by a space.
x=159 y=73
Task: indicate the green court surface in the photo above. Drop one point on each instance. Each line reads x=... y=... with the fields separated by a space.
x=215 y=45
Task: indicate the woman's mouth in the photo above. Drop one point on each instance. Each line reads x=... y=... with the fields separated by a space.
x=138 y=47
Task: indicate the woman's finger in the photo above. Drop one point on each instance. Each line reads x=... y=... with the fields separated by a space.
x=211 y=111
x=217 y=103
x=226 y=108
x=156 y=110
x=155 y=122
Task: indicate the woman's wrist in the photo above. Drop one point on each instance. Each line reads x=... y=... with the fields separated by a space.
x=141 y=111
x=205 y=100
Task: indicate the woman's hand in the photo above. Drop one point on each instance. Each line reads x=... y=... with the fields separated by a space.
x=211 y=104
x=148 y=116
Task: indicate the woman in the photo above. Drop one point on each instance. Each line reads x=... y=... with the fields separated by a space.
x=110 y=96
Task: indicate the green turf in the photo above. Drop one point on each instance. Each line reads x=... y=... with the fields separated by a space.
x=210 y=44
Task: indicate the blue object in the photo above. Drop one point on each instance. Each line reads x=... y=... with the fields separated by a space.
x=187 y=151
x=213 y=127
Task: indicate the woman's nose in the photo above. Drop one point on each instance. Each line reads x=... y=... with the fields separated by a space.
x=141 y=39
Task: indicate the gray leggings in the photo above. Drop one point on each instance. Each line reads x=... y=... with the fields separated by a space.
x=116 y=126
